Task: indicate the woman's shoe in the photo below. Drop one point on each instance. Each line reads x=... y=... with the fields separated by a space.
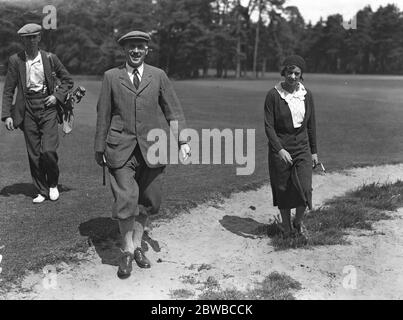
x=287 y=236
x=301 y=231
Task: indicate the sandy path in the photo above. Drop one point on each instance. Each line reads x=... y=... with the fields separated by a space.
x=228 y=237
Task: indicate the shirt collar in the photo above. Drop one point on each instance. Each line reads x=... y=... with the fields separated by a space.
x=130 y=69
x=37 y=58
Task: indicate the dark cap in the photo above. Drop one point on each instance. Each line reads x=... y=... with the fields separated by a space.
x=139 y=35
x=30 y=29
x=295 y=60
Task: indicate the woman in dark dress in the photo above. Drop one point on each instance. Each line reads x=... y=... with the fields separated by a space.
x=291 y=131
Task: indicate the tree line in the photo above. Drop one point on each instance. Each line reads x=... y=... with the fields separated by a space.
x=191 y=37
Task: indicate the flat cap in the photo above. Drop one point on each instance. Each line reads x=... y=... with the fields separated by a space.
x=140 y=35
x=30 y=29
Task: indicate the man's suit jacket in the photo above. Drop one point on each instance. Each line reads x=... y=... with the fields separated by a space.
x=16 y=78
x=125 y=114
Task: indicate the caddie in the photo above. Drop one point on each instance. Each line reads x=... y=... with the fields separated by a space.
x=35 y=111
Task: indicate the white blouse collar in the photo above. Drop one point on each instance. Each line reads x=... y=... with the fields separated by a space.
x=298 y=94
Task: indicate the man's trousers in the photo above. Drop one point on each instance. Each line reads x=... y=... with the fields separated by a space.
x=40 y=129
x=136 y=188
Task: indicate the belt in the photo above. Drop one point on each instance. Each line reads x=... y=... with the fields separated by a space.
x=35 y=95
x=35 y=100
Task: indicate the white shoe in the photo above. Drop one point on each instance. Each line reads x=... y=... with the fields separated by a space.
x=53 y=194
x=39 y=199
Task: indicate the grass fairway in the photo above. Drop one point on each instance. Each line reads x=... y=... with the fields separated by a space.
x=359 y=122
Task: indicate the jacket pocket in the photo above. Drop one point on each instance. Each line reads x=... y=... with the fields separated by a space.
x=117 y=124
x=112 y=139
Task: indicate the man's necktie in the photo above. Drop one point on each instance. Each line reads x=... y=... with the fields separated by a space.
x=136 y=80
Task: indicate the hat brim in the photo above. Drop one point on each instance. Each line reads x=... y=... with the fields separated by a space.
x=123 y=40
x=29 y=34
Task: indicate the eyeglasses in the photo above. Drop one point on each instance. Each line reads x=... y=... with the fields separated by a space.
x=320 y=165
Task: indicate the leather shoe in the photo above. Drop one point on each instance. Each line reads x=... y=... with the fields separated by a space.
x=141 y=259
x=125 y=265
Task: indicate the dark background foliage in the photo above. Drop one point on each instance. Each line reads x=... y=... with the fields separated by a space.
x=191 y=37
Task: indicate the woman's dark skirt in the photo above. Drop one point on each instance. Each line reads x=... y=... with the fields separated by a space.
x=291 y=184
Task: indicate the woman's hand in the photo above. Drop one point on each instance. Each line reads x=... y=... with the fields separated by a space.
x=285 y=156
x=315 y=160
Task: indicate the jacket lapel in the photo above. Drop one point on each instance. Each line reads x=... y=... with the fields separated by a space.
x=23 y=69
x=145 y=79
x=47 y=70
x=125 y=80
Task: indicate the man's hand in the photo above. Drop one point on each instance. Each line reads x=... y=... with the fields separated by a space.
x=315 y=160
x=185 y=151
x=9 y=124
x=99 y=158
x=50 y=101
x=285 y=156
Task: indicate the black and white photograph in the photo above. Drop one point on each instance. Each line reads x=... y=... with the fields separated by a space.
x=201 y=151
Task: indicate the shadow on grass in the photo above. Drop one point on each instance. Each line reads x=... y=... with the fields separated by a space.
x=103 y=233
x=249 y=228
x=26 y=189
x=275 y=286
x=358 y=209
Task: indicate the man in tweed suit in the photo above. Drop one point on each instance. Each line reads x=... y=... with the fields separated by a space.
x=126 y=111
